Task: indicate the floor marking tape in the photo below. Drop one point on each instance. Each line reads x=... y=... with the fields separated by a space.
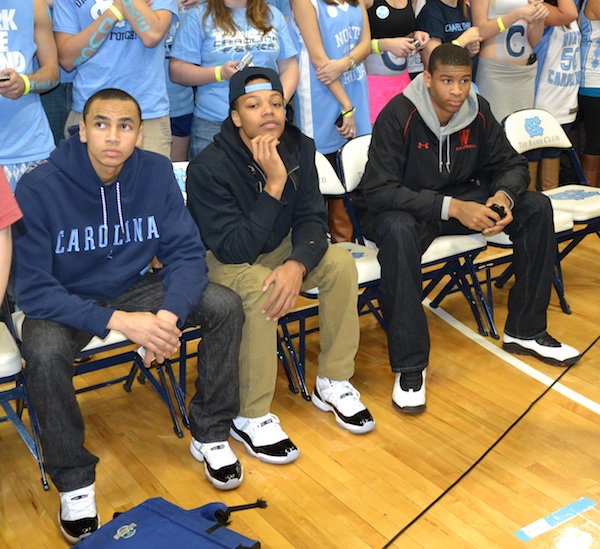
x=546 y=524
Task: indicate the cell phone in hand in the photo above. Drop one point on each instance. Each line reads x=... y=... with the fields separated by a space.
x=245 y=61
x=4 y=77
x=339 y=121
x=499 y=209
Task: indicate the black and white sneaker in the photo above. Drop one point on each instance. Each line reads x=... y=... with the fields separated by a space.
x=78 y=516
x=408 y=395
x=341 y=398
x=264 y=439
x=221 y=465
x=543 y=347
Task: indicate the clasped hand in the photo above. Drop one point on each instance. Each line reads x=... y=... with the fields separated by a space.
x=480 y=217
x=157 y=333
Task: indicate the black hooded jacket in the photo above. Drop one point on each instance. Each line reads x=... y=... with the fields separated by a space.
x=414 y=163
x=238 y=220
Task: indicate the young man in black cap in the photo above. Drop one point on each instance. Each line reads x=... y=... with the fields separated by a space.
x=254 y=193
x=439 y=163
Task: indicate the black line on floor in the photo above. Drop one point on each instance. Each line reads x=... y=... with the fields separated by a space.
x=484 y=455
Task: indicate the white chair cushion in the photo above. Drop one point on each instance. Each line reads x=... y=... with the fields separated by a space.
x=563 y=222
x=581 y=201
x=366 y=261
x=447 y=246
x=10 y=357
x=95 y=344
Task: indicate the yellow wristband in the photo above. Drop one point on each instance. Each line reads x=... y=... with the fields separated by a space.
x=349 y=113
x=116 y=12
x=375 y=46
x=456 y=43
x=218 y=76
x=27 y=83
x=500 y=24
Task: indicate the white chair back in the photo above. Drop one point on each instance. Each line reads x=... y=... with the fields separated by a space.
x=353 y=158
x=10 y=357
x=532 y=129
x=180 y=171
x=329 y=182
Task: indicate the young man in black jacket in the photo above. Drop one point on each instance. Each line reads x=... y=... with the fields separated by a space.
x=438 y=162
x=254 y=193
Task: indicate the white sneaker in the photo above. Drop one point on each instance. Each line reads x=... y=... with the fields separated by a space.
x=221 y=465
x=544 y=347
x=264 y=439
x=408 y=395
x=341 y=398
x=78 y=515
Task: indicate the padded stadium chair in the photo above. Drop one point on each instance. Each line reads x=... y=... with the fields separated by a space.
x=92 y=358
x=369 y=278
x=189 y=334
x=180 y=171
x=563 y=229
x=531 y=129
x=11 y=371
x=451 y=256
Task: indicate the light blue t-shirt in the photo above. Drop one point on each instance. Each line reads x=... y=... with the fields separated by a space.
x=122 y=61
x=316 y=107
x=208 y=46
x=283 y=6
x=25 y=134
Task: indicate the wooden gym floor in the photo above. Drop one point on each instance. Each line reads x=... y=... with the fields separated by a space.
x=349 y=491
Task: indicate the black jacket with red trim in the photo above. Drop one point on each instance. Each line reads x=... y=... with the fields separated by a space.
x=414 y=163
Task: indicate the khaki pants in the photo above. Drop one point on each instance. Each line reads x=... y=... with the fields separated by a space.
x=337 y=280
x=156 y=138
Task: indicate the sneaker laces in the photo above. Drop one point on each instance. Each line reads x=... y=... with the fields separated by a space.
x=341 y=394
x=264 y=430
x=78 y=504
x=411 y=381
x=547 y=340
x=218 y=454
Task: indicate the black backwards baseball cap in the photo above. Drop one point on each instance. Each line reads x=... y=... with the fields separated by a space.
x=238 y=82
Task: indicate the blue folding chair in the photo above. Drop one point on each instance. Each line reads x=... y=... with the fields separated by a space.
x=369 y=285
x=448 y=256
x=576 y=207
x=11 y=372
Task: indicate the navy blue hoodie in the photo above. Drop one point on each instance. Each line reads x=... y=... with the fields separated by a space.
x=82 y=242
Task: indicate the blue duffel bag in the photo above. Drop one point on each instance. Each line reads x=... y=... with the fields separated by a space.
x=158 y=524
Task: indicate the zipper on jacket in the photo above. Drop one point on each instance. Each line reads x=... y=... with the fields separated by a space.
x=260 y=184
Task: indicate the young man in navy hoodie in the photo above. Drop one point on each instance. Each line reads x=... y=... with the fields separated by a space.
x=438 y=162
x=94 y=216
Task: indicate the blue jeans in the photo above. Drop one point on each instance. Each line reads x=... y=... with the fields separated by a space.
x=402 y=240
x=57 y=104
x=203 y=132
x=49 y=349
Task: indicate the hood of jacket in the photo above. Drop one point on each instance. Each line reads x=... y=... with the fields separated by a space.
x=418 y=94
